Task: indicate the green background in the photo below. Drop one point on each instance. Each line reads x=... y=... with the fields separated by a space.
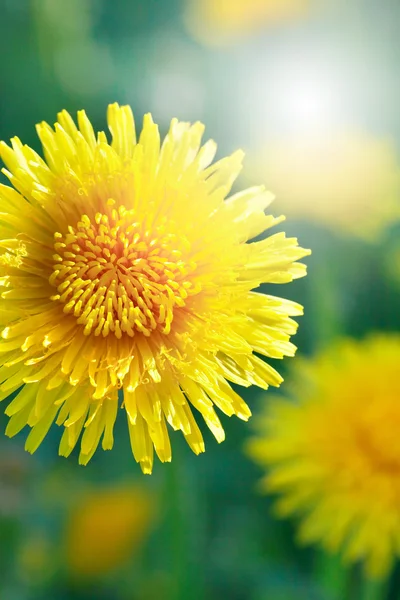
x=213 y=536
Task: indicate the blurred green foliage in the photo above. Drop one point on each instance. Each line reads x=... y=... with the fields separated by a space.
x=214 y=536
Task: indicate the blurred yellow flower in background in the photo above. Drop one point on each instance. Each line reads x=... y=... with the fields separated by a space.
x=347 y=181
x=126 y=270
x=333 y=451
x=105 y=527
x=221 y=21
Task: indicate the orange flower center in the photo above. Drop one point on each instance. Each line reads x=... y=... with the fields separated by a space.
x=116 y=276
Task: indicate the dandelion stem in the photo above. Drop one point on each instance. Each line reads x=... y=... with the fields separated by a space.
x=355 y=584
x=324 y=301
x=184 y=531
x=393 y=589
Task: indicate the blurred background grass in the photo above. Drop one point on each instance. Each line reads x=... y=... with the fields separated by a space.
x=311 y=90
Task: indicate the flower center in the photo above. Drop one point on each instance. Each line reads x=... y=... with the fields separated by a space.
x=116 y=276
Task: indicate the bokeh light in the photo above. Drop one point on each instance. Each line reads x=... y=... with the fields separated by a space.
x=221 y=21
x=348 y=181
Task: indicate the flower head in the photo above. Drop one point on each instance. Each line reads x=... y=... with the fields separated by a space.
x=333 y=455
x=127 y=280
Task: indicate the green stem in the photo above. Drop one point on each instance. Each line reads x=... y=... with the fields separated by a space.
x=355 y=584
x=177 y=533
x=184 y=530
x=361 y=588
x=393 y=588
x=324 y=303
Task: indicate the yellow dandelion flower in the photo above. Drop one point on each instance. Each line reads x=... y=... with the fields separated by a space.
x=333 y=455
x=104 y=527
x=125 y=269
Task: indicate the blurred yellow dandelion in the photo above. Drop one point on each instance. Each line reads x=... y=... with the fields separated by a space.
x=221 y=21
x=333 y=454
x=104 y=528
x=124 y=267
x=349 y=181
